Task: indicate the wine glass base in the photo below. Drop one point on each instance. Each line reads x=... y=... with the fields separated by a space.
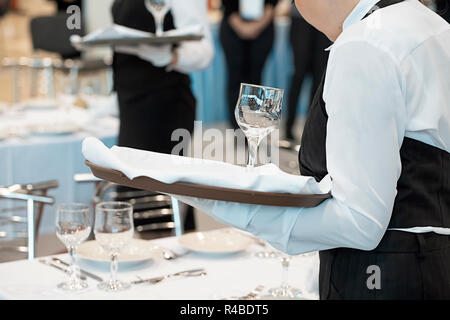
x=73 y=286
x=287 y=292
x=110 y=286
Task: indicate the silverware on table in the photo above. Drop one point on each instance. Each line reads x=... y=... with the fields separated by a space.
x=187 y=273
x=170 y=254
x=83 y=272
x=48 y=263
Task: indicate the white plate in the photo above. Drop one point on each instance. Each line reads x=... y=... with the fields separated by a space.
x=137 y=251
x=216 y=241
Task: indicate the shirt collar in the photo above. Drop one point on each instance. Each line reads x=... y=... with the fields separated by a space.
x=359 y=12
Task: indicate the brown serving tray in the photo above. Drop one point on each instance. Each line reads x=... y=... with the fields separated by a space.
x=210 y=192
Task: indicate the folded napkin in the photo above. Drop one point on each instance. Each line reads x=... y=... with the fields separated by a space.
x=171 y=168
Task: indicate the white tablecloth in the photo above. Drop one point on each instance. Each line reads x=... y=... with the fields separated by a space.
x=227 y=275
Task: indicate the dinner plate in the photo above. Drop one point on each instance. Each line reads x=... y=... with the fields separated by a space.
x=215 y=241
x=137 y=251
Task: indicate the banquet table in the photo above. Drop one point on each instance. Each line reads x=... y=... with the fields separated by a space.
x=228 y=275
x=29 y=158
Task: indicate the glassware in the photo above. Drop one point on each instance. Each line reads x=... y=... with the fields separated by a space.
x=73 y=226
x=159 y=9
x=113 y=230
x=285 y=290
x=258 y=113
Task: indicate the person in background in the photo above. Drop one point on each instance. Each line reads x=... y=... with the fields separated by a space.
x=152 y=82
x=310 y=57
x=247 y=35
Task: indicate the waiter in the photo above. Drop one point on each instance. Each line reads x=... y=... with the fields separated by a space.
x=379 y=127
x=152 y=82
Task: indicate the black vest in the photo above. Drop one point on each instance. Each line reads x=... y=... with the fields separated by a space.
x=423 y=197
x=132 y=73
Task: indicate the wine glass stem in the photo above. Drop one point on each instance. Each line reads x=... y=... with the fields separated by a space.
x=285 y=262
x=114 y=267
x=253 y=144
x=73 y=273
x=159 y=25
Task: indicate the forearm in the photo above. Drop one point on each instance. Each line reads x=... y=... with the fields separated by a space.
x=297 y=230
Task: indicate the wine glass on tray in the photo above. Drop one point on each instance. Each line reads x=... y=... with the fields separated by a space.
x=258 y=113
x=159 y=9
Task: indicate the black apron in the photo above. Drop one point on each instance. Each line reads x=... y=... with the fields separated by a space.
x=412 y=266
x=152 y=102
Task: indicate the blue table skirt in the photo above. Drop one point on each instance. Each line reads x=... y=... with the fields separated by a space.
x=209 y=85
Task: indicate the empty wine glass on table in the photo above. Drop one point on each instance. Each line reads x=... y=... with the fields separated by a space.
x=73 y=226
x=114 y=229
x=159 y=9
x=285 y=290
x=258 y=113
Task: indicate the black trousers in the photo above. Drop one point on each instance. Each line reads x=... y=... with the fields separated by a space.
x=245 y=61
x=308 y=45
x=411 y=267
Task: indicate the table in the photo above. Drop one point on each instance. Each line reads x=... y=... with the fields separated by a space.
x=228 y=275
x=33 y=159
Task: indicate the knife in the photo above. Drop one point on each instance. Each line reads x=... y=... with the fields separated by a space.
x=187 y=273
x=83 y=272
x=48 y=263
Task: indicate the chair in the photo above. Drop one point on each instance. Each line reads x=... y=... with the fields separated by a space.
x=35 y=196
x=154 y=214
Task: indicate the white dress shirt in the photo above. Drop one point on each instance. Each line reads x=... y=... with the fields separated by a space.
x=388 y=77
x=192 y=55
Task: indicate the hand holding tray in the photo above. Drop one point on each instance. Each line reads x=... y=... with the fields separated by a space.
x=209 y=192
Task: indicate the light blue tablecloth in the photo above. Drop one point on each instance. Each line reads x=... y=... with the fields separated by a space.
x=41 y=159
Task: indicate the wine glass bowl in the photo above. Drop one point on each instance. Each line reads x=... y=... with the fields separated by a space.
x=258 y=113
x=114 y=229
x=159 y=9
x=73 y=227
